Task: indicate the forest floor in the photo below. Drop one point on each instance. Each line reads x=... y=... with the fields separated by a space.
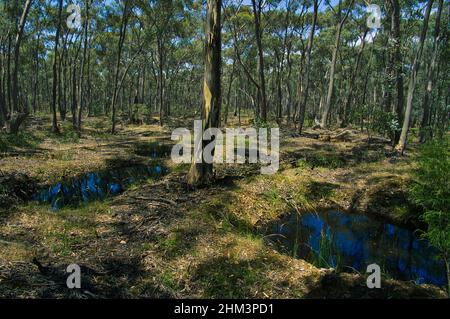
x=161 y=239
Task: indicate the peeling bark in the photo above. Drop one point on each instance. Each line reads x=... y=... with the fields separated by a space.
x=202 y=173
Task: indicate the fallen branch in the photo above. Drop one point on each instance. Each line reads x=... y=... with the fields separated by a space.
x=155 y=199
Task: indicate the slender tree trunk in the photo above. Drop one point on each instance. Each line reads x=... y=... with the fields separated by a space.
x=81 y=96
x=36 y=70
x=3 y=112
x=412 y=82
x=74 y=91
x=123 y=29
x=55 y=70
x=262 y=82
x=61 y=106
x=425 y=123
x=352 y=82
x=8 y=75
x=398 y=64
x=327 y=107
x=306 y=71
x=89 y=86
x=74 y=94
x=19 y=35
x=202 y=173
x=230 y=84
x=143 y=86
x=161 y=57
x=279 y=95
x=65 y=81
x=289 y=85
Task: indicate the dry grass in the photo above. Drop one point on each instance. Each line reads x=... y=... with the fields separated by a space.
x=202 y=243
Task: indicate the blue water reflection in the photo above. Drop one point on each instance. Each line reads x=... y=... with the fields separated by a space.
x=96 y=185
x=348 y=240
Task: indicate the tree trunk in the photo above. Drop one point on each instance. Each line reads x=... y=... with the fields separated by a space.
x=279 y=95
x=425 y=123
x=398 y=64
x=412 y=82
x=55 y=70
x=123 y=28
x=81 y=96
x=74 y=95
x=161 y=80
x=327 y=107
x=229 y=92
x=89 y=86
x=202 y=173
x=289 y=84
x=262 y=82
x=3 y=113
x=15 y=81
x=352 y=82
x=8 y=75
x=61 y=105
x=305 y=80
x=36 y=70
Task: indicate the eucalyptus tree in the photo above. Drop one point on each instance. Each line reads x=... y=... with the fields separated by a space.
x=306 y=72
x=430 y=77
x=122 y=33
x=257 y=6
x=55 y=66
x=202 y=172
x=341 y=19
x=400 y=147
x=82 y=87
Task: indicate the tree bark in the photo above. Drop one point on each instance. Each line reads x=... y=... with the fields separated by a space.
x=36 y=70
x=81 y=96
x=412 y=81
x=307 y=66
x=55 y=70
x=202 y=173
x=327 y=107
x=230 y=84
x=355 y=72
x=398 y=64
x=19 y=35
x=425 y=123
x=262 y=82
x=123 y=28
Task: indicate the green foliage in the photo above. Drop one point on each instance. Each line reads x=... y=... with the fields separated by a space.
x=302 y=164
x=328 y=160
x=320 y=191
x=432 y=192
x=67 y=135
x=259 y=123
x=10 y=142
x=138 y=113
x=327 y=255
x=385 y=122
x=438 y=232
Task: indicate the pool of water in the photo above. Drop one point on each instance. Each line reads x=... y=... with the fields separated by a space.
x=351 y=242
x=96 y=185
x=153 y=149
